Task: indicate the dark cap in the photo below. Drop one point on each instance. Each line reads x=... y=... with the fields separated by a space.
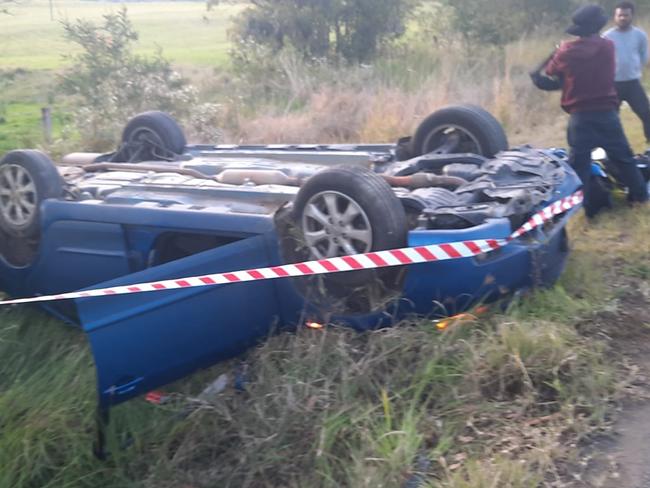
x=587 y=20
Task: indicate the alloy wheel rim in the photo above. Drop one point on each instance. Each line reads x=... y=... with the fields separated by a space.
x=334 y=224
x=18 y=195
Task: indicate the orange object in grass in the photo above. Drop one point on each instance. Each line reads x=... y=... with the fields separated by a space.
x=314 y=325
x=445 y=323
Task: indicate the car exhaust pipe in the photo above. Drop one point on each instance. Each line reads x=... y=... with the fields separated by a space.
x=425 y=180
x=144 y=168
x=277 y=177
x=79 y=158
x=228 y=176
x=257 y=176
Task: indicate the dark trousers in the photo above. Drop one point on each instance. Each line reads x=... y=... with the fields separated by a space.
x=633 y=93
x=588 y=130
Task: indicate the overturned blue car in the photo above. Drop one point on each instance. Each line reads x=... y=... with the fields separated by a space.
x=159 y=209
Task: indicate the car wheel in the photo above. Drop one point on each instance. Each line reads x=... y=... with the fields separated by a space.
x=342 y=211
x=27 y=178
x=459 y=129
x=151 y=136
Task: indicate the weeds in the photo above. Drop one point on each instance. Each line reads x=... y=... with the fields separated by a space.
x=361 y=410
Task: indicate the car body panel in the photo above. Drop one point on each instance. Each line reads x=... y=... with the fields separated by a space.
x=142 y=341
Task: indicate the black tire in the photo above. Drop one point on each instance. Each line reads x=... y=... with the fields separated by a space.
x=460 y=129
x=379 y=211
x=151 y=135
x=600 y=194
x=403 y=148
x=33 y=178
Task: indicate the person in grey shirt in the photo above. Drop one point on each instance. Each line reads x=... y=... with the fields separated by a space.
x=631 y=45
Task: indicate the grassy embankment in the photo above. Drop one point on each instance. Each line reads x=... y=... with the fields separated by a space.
x=502 y=400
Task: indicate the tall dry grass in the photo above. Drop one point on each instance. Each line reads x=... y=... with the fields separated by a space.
x=381 y=102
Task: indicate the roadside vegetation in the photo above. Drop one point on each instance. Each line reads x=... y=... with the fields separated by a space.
x=505 y=398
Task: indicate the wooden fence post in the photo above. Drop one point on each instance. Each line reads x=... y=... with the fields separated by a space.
x=46 y=122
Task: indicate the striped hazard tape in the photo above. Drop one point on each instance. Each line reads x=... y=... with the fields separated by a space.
x=377 y=259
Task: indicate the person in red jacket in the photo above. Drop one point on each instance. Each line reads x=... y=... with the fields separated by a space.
x=586 y=68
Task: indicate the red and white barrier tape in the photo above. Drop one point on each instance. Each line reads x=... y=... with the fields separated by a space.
x=377 y=259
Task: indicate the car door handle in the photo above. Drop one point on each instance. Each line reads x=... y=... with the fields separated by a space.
x=124 y=388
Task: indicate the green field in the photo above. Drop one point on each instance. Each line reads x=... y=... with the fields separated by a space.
x=20 y=125
x=186 y=31
x=33 y=51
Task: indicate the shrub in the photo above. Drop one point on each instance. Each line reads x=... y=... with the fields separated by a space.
x=112 y=83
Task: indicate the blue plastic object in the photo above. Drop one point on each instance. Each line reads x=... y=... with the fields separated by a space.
x=597 y=170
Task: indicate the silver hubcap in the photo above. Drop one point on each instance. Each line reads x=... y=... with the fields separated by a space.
x=17 y=195
x=334 y=224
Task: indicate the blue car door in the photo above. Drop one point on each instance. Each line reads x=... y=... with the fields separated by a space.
x=141 y=341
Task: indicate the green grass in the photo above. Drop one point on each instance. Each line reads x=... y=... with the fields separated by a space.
x=21 y=126
x=186 y=31
x=47 y=411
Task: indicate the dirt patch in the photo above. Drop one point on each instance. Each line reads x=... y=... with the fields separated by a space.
x=631 y=453
x=621 y=457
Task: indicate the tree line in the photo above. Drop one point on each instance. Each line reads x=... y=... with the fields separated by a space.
x=356 y=30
